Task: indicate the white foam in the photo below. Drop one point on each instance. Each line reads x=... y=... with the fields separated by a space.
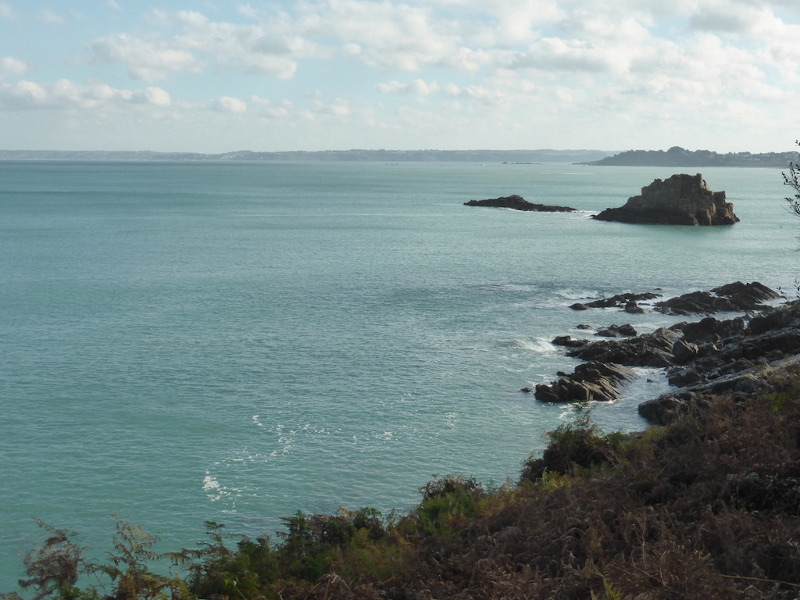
x=213 y=488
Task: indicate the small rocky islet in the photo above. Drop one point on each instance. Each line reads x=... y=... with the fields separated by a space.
x=517 y=202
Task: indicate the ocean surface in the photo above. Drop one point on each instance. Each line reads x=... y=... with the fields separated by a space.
x=235 y=342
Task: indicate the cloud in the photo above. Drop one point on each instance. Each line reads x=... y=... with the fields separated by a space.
x=12 y=66
x=564 y=55
x=154 y=96
x=387 y=36
x=270 y=48
x=68 y=95
x=147 y=61
x=418 y=87
x=51 y=17
x=730 y=17
x=7 y=12
x=338 y=108
x=367 y=67
x=270 y=110
x=228 y=104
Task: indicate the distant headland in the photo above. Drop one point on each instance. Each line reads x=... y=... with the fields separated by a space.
x=680 y=157
x=385 y=156
x=674 y=157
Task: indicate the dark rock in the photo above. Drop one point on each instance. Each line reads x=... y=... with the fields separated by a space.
x=684 y=351
x=710 y=329
x=589 y=381
x=785 y=316
x=669 y=407
x=748 y=296
x=684 y=376
x=733 y=364
x=619 y=301
x=736 y=296
x=518 y=203
x=680 y=200
x=646 y=350
x=633 y=308
x=583 y=326
x=706 y=358
x=566 y=340
x=614 y=331
x=527 y=390
x=579 y=306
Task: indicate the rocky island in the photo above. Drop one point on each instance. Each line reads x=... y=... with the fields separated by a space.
x=517 y=202
x=679 y=200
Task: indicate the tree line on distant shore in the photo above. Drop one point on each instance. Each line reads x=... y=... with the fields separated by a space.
x=680 y=157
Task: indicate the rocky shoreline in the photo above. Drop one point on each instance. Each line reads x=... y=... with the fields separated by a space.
x=701 y=358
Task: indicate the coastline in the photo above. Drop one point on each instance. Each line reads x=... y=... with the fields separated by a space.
x=700 y=358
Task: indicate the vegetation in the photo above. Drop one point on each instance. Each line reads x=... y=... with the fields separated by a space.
x=708 y=507
x=680 y=157
x=792 y=179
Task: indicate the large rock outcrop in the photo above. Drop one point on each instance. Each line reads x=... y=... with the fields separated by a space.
x=589 y=381
x=735 y=296
x=680 y=200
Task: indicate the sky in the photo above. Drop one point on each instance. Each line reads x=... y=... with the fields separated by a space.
x=218 y=76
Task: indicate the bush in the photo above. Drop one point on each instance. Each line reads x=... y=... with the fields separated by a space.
x=575 y=446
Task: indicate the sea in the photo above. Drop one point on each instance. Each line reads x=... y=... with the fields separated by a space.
x=183 y=342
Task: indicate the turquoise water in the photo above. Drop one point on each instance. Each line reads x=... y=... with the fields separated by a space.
x=235 y=342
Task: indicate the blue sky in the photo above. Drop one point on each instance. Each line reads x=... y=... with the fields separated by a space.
x=214 y=76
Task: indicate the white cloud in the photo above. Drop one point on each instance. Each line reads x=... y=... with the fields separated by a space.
x=386 y=35
x=12 y=66
x=68 y=95
x=228 y=104
x=147 y=61
x=468 y=69
x=51 y=17
x=418 y=87
x=154 y=96
x=728 y=17
x=564 y=55
x=338 y=108
x=270 y=48
x=475 y=92
x=6 y=11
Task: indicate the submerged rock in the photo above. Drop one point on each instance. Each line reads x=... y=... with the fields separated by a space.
x=680 y=200
x=518 y=203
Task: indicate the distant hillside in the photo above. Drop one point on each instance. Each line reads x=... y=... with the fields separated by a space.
x=495 y=156
x=680 y=157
